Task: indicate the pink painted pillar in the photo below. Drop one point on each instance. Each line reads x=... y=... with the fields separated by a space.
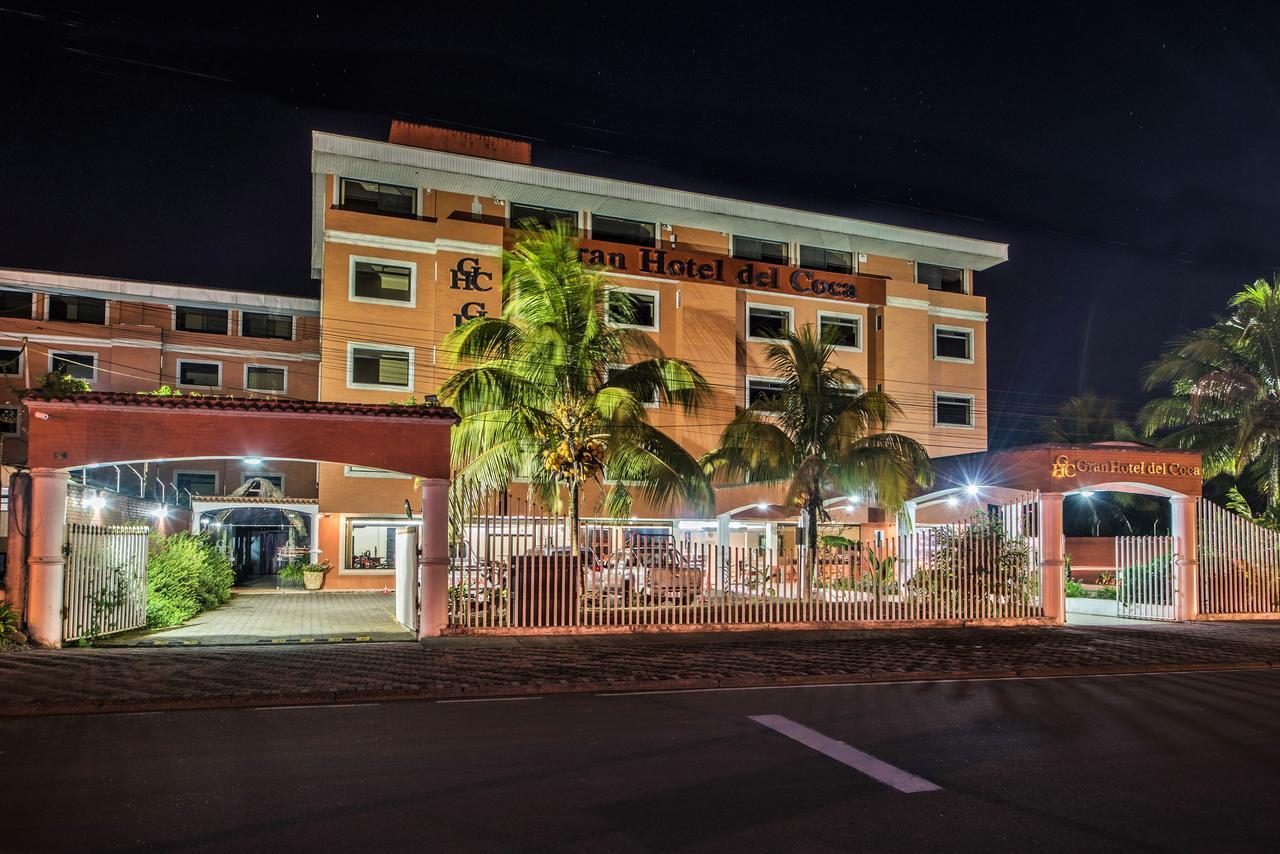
x=1053 y=566
x=433 y=567
x=1183 y=526
x=46 y=561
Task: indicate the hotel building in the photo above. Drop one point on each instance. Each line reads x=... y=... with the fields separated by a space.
x=407 y=241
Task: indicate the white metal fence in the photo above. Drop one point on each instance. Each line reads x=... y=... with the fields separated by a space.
x=1146 y=578
x=516 y=568
x=1239 y=564
x=105 y=584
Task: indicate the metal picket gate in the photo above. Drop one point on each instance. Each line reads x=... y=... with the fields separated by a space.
x=1146 y=578
x=105 y=583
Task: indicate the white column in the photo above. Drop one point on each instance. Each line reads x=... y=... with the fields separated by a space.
x=46 y=561
x=1053 y=567
x=315 y=535
x=722 y=548
x=909 y=511
x=1182 y=513
x=434 y=564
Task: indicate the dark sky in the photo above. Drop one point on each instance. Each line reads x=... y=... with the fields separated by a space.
x=1129 y=156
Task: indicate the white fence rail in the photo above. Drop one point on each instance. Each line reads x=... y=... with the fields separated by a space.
x=105 y=584
x=515 y=569
x=1146 y=578
x=1239 y=564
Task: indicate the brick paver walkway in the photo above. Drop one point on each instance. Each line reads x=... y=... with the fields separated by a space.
x=251 y=618
x=129 y=678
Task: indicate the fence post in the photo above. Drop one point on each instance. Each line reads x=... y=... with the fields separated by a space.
x=434 y=565
x=1052 y=564
x=1182 y=512
x=46 y=561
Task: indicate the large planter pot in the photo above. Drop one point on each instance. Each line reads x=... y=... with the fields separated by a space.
x=313 y=580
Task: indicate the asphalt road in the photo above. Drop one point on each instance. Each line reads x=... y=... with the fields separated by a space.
x=1162 y=762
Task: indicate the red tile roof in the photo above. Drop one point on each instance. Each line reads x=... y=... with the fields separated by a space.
x=429 y=408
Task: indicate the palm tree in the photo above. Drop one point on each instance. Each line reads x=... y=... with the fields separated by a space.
x=545 y=395
x=821 y=435
x=1223 y=384
x=1085 y=419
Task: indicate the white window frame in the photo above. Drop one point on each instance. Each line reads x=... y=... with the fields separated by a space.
x=351 y=348
x=973 y=411
x=345 y=519
x=239 y=327
x=284 y=390
x=20 y=361
x=857 y=322
x=647 y=404
x=657 y=308
x=217 y=478
x=97 y=361
x=788 y=310
x=368 y=471
x=969 y=332
x=245 y=475
x=177 y=374
x=746 y=387
x=352 y=260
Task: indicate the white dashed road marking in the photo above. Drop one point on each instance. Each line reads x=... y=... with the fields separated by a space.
x=876 y=769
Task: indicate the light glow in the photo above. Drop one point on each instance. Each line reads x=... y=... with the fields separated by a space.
x=972 y=490
x=252 y=461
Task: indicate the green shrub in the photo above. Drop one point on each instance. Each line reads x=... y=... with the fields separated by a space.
x=59 y=384
x=187 y=574
x=1076 y=589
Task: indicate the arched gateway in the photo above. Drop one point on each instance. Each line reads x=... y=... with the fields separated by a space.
x=100 y=428
x=968 y=483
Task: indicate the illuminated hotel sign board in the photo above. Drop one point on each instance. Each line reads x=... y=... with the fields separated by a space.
x=719 y=270
x=1065 y=466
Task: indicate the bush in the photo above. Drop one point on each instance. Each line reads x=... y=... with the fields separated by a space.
x=187 y=574
x=1075 y=589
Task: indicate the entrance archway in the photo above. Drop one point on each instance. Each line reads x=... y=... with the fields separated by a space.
x=103 y=428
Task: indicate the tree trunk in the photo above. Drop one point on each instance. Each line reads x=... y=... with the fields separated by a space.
x=575 y=498
x=811 y=547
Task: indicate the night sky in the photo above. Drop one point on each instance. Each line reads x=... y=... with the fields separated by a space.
x=1131 y=158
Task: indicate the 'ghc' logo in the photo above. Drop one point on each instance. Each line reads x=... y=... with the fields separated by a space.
x=1063 y=467
x=468 y=275
x=469 y=311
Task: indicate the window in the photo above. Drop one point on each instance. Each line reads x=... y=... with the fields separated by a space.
x=633 y=308
x=524 y=216
x=377 y=198
x=840 y=330
x=203 y=374
x=763 y=392
x=767 y=322
x=10 y=362
x=939 y=278
x=197 y=482
x=8 y=420
x=15 y=304
x=619 y=230
x=651 y=401
x=951 y=342
x=831 y=260
x=82 y=366
x=78 y=309
x=264 y=378
x=366 y=471
x=256 y=325
x=273 y=478
x=371 y=543
x=380 y=367
x=381 y=281
x=212 y=320
x=953 y=410
x=755 y=249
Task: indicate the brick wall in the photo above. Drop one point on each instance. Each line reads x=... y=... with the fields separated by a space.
x=123 y=510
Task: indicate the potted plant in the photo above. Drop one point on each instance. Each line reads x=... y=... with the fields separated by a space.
x=313 y=574
x=291 y=574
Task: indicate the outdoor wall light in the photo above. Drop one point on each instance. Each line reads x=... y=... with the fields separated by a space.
x=972 y=490
x=762 y=506
x=160 y=512
x=854 y=499
x=97 y=502
x=252 y=461
x=952 y=501
x=1085 y=494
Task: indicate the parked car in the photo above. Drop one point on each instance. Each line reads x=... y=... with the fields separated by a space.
x=654 y=572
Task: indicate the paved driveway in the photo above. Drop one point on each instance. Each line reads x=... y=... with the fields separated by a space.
x=267 y=618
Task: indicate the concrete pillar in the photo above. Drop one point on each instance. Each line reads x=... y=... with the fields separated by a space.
x=433 y=566
x=909 y=513
x=46 y=560
x=1053 y=566
x=1183 y=526
x=315 y=535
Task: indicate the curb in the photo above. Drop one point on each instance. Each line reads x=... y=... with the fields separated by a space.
x=355 y=696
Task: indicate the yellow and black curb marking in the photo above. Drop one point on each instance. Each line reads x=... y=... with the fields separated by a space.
x=355 y=639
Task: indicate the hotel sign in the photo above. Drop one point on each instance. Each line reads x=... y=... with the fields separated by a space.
x=1064 y=465
x=733 y=272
